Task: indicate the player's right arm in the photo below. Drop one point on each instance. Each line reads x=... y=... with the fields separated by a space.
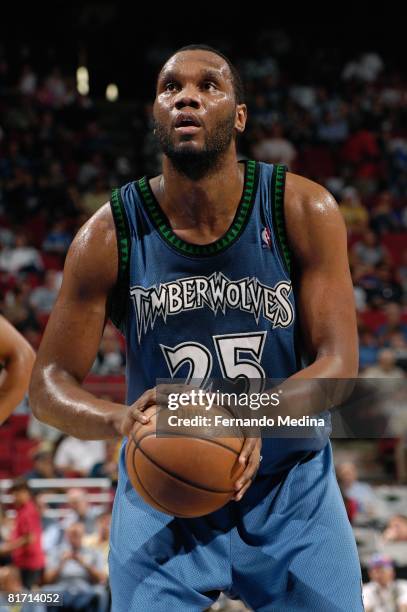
x=72 y=337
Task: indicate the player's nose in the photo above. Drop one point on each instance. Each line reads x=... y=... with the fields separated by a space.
x=188 y=96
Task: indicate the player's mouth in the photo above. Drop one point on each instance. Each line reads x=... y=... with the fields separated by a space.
x=186 y=123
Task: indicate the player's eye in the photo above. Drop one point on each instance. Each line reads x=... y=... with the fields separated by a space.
x=170 y=86
x=209 y=86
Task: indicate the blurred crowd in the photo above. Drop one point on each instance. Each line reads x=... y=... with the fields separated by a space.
x=66 y=555
x=58 y=163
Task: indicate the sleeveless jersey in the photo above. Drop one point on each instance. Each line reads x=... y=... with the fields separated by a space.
x=222 y=310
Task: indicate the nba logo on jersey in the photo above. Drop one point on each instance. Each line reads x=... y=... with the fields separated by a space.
x=266 y=242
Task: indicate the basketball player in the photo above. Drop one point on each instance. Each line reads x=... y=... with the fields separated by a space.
x=16 y=362
x=153 y=260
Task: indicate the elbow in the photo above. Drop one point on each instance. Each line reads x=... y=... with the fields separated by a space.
x=341 y=364
x=27 y=358
x=36 y=392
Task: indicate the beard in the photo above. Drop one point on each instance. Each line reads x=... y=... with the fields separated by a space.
x=192 y=162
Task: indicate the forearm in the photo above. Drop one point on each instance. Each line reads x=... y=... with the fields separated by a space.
x=58 y=399
x=14 y=386
x=322 y=385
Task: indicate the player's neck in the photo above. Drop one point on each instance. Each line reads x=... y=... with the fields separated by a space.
x=207 y=205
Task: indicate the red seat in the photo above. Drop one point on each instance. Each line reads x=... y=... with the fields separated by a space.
x=6 y=450
x=6 y=433
x=52 y=261
x=373 y=319
x=23 y=446
x=20 y=465
x=19 y=423
x=396 y=244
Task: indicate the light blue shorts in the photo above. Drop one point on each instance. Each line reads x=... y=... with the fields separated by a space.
x=286 y=546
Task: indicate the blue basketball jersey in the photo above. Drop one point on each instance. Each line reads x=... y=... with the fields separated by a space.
x=222 y=310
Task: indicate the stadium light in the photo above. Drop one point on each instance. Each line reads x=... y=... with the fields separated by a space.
x=82 y=80
x=112 y=92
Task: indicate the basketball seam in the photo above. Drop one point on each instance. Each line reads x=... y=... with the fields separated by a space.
x=174 y=434
x=167 y=510
x=176 y=476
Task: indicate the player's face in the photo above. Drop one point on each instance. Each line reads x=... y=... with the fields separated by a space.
x=195 y=108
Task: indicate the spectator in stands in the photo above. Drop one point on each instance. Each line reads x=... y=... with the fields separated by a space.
x=10 y=582
x=29 y=558
x=383 y=217
x=76 y=457
x=58 y=238
x=368 y=349
x=396 y=529
x=362 y=154
x=384 y=593
x=6 y=525
x=52 y=532
x=100 y=539
x=368 y=250
x=359 y=292
x=385 y=368
x=42 y=298
x=354 y=213
x=21 y=258
x=36 y=430
x=394 y=323
x=78 y=573
x=6 y=544
x=95 y=196
x=108 y=468
x=43 y=466
x=110 y=358
x=275 y=148
x=351 y=505
x=17 y=309
x=352 y=488
x=397 y=342
x=93 y=168
x=79 y=509
x=385 y=288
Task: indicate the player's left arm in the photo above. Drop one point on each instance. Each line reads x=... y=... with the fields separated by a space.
x=325 y=304
x=17 y=358
x=317 y=236
x=325 y=301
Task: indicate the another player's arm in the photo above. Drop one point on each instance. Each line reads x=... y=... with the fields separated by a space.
x=73 y=334
x=324 y=294
x=17 y=358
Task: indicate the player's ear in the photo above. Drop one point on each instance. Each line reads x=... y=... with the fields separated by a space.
x=241 y=117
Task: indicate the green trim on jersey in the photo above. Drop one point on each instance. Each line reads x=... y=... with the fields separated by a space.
x=242 y=216
x=118 y=303
x=277 y=190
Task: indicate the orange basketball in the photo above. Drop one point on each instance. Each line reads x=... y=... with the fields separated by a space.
x=186 y=472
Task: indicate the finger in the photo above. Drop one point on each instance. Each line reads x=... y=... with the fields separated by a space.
x=238 y=496
x=147 y=399
x=249 y=473
x=134 y=416
x=247 y=449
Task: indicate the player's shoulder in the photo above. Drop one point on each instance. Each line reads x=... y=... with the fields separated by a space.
x=304 y=197
x=313 y=219
x=98 y=230
x=92 y=256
